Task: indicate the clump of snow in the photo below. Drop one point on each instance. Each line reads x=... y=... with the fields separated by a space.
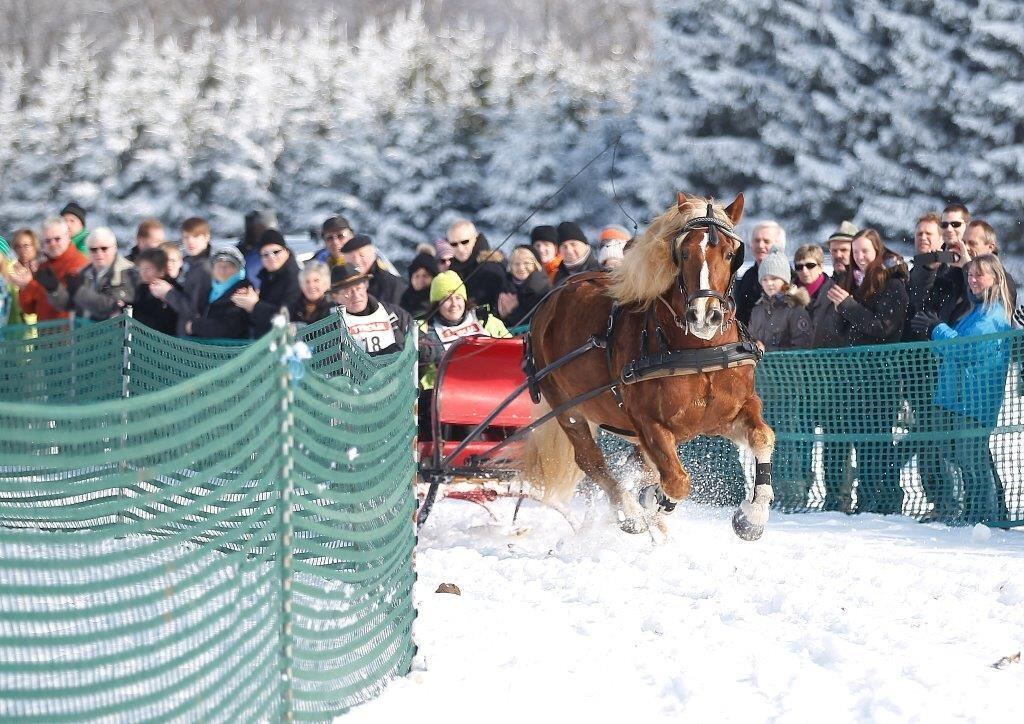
x=868 y=618
x=981 y=533
x=353 y=453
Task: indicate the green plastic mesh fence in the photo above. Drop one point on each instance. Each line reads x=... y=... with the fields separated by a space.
x=219 y=534
x=933 y=430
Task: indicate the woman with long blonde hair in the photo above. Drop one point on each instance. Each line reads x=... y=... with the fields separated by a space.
x=972 y=378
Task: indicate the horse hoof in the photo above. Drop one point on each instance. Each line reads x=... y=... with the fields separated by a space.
x=744 y=528
x=634 y=525
x=648 y=498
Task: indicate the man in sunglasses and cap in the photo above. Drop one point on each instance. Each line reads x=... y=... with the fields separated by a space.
x=335 y=233
x=380 y=327
x=361 y=254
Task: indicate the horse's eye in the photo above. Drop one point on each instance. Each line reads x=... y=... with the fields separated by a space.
x=729 y=255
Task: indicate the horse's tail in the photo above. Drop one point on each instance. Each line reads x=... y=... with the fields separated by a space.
x=549 y=460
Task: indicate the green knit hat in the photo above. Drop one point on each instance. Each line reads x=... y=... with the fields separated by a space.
x=446 y=284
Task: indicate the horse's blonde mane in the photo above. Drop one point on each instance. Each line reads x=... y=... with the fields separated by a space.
x=647 y=270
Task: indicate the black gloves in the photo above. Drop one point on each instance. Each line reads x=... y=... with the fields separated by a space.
x=47 y=279
x=923 y=323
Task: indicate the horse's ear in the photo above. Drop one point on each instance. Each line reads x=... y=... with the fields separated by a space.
x=735 y=210
x=681 y=201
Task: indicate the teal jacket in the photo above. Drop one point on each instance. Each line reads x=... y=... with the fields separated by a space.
x=972 y=377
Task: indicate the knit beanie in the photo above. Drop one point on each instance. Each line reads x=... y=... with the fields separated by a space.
x=271 y=236
x=75 y=210
x=569 y=231
x=446 y=284
x=229 y=254
x=774 y=265
x=423 y=261
x=444 y=249
x=614 y=233
x=544 y=233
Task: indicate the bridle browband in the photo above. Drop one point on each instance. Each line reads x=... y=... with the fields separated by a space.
x=714 y=226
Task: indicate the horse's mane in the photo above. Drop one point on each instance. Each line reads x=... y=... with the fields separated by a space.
x=647 y=270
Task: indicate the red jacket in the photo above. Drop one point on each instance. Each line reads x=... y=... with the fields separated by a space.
x=33 y=299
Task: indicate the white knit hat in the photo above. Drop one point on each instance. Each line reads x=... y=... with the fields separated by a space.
x=774 y=265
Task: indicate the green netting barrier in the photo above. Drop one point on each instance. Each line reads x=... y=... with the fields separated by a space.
x=194 y=532
x=932 y=430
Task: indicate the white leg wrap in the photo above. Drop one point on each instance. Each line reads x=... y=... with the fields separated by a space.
x=756 y=512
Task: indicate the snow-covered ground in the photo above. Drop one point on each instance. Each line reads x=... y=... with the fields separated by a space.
x=826 y=618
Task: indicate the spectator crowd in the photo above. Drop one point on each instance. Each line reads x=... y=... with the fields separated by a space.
x=955 y=286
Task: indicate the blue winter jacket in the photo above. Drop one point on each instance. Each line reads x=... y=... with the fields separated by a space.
x=972 y=377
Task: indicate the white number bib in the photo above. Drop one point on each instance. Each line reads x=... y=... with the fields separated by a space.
x=469 y=327
x=374 y=331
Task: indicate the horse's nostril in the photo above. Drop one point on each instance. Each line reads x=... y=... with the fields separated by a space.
x=691 y=316
x=715 y=317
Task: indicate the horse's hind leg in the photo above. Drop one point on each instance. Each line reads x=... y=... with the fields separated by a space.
x=751 y=431
x=591 y=461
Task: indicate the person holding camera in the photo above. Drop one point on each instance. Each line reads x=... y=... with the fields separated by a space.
x=871 y=308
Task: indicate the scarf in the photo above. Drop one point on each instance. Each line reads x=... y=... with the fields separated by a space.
x=579 y=263
x=814 y=286
x=217 y=289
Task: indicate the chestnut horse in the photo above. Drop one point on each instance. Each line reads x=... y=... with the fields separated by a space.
x=690 y=247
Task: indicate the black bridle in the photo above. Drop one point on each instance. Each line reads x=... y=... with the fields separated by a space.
x=714 y=228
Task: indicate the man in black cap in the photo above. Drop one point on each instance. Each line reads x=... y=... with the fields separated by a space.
x=279 y=283
x=544 y=240
x=477 y=265
x=361 y=255
x=378 y=326
x=577 y=256
x=75 y=216
x=335 y=232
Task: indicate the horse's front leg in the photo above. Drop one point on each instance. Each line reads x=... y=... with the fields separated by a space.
x=751 y=431
x=590 y=460
x=658 y=442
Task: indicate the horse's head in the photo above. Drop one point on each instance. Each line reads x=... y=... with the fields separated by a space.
x=707 y=252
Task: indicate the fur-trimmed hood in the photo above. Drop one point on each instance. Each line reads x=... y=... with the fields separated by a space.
x=795 y=296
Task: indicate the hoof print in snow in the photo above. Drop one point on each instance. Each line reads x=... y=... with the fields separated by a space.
x=1006 y=661
x=448 y=588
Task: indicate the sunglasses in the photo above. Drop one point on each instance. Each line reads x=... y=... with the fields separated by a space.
x=268 y=254
x=954 y=224
x=94 y=249
x=332 y=237
x=462 y=243
x=805 y=265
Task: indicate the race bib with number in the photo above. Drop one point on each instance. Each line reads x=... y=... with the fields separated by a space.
x=374 y=331
x=470 y=326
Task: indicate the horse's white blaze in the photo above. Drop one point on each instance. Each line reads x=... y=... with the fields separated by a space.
x=705 y=279
x=701 y=329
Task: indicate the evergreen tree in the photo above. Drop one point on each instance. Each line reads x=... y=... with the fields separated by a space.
x=237 y=130
x=148 y=99
x=991 y=118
